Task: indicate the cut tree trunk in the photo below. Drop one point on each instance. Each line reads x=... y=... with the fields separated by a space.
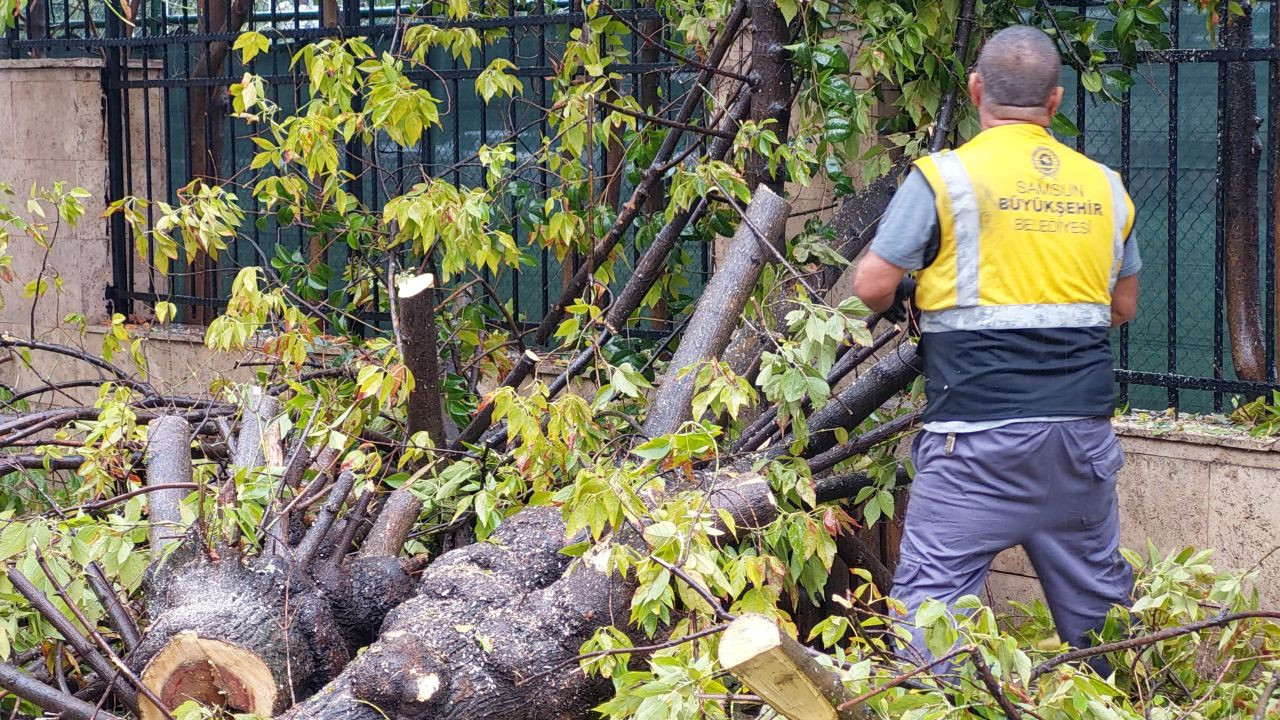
x=416 y=325
x=783 y=672
x=250 y=636
x=257 y=634
x=168 y=460
x=486 y=637
x=719 y=309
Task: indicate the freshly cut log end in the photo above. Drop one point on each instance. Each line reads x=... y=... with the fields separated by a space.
x=211 y=672
x=236 y=633
x=779 y=669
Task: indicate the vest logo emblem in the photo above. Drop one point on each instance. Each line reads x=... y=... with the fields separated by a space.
x=1045 y=161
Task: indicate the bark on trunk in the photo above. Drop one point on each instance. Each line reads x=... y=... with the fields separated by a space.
x=718 y=310
x=886 y=378
x=771 y=94
x=418 y=338
x=168 y=459
x=1241 y=150
x=249 y=636
x=960 y=50
x=485 y=637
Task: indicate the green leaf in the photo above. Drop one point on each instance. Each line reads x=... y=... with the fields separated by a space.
x=655 y=449
x=837 y=129
x=929 y=613
x=1092 y=81
x=1153 y=15
x=789 y=8
x=1062 y=126
x=1124 y=22
x=251 y=44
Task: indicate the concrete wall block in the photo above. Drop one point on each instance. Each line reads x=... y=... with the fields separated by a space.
x=56 y=117
x=1013 y=560
x=6 y=112
x=1003 y=589
x=1164 y=499
x=1244 y=523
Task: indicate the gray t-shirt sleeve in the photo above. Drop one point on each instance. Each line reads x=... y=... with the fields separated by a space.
x=908 y=224
x=1131 y=262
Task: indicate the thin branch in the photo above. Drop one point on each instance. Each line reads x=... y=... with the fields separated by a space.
x=41 y=604
x=1153 y=638
x=650 y=41
x=686 y=127
x=97 y=638
x=119 y=616
x=117 y=499
x=37 y=693
x=697 y=587
x=1260 y=713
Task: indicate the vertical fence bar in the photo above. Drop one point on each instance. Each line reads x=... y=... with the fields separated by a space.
x=1126 y=152
x=1219 y=247
x=1083 y=8
x=1171 y=337
x=120 y=293
x=1269 y=233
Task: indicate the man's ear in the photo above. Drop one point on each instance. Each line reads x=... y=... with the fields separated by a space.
x=975 y=89
x=1055 y=101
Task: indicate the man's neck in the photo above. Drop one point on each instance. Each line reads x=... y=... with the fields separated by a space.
x=989 y=117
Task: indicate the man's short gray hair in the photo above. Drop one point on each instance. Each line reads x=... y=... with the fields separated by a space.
x=1019 y=67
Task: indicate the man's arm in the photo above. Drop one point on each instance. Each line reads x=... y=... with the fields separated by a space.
x=1124 y=300
x=875 y=281
x=901 y=243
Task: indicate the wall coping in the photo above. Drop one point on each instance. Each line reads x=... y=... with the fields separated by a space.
x=49 y=63
x=75 y=63
x=1212 y=431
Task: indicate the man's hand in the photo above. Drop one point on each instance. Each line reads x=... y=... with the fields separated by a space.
x=905 y=293
x=876 y=281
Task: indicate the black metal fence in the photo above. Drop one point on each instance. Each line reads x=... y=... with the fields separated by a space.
x=1165 y=138
x=152 y=72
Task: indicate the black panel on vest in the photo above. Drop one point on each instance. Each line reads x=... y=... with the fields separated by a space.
x=976 y=375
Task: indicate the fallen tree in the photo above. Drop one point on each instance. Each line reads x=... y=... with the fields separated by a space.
x=410 y=523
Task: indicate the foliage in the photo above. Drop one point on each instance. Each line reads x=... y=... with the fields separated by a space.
x=1261 y=415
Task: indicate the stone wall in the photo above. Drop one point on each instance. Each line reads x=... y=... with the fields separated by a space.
x=1182 y=487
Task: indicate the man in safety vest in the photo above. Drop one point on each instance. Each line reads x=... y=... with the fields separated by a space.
x=1022 y=260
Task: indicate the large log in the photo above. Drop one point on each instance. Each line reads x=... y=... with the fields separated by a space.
x=487 y=617
x=168 y=460
x=416 y=326
x=719 y=309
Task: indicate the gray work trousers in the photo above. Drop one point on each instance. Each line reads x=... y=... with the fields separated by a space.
x=1047 y=486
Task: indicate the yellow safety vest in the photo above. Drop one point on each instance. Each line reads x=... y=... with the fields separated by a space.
x=1016 y=305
